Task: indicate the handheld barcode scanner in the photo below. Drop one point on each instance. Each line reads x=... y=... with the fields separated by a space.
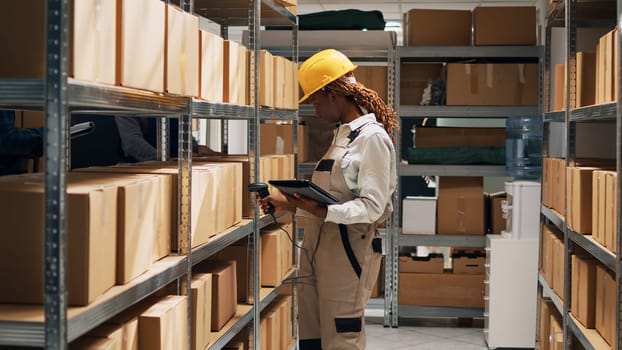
x=262 y=189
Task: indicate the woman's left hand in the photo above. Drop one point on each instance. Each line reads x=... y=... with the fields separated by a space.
x=309 y=205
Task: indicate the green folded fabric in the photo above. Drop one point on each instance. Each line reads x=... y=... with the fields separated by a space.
x=457 y=155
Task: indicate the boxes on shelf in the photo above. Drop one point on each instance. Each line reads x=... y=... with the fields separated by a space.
x=276 y=254
x=414 y=78
x=544 y=325
x=497 y=222
x=445 y=289
x=605 y=314
x=583 y=290
x=91 y=239
x=606 y=67
x=431 y=27
x=266 y=76
x=278 y=139
x=239 y=252
x=139 y=243
x=212 y=67
x=106 y=336
x=546 y=255
x=611 y=185
x=492 y=84
x=201 y=289
x=468 y=264
x=419 y=215
x=460 y=206
x=93 y=40
x=235 y=81
x=141 y=46
x=579 y=199
x=160 y=326
x=433 y=263
x=559 y=88
x=504 y=25
x=182 y=52
x=224 y=286
x=557 y=266
x=556 y=334
x=586 y=79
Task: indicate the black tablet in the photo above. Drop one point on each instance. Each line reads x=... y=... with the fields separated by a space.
x=305 y=188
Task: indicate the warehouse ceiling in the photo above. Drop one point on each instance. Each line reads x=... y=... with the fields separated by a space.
x=393 y=9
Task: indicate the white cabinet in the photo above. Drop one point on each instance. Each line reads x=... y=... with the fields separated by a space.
x=511 y=287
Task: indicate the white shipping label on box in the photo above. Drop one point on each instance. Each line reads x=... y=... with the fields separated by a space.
x=419 y=215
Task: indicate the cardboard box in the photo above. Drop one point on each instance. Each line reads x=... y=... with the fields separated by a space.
x=161 y=325
x=558 y=180
x=239 y=253
x=141 y=56
x=586 y=79
x=212 y=67
x=182 y=52
x=419 y=215
x=276 y=138
x=469 y=265
x=559 y=89
x=136 y=219
x=459 y=137
x=92 y=29
x=163 y=226
x=583 y=290
x=105 y=336
x=414 y=77
x=605 y=304
x=201 y=293
x=91 y=239
x=556 y=334
x=273 y=318
x=424 y=27
x=497 y=219
x=504 y=25
x=460 y=206
x=579 y=199
x=373 y=77
x=611 y=185
x=235 y=73
x=546 y=182
x=266 y=84
x=441 y=290
x=557 y=267
x=598 y=206
x=432 y=263
x=492 y=84
x=289 y=94
x=224 y=285
x=272 y=250
x=545 y=324
x=278 y=80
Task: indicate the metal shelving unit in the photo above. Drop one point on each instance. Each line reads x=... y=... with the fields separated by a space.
x=459 y=54
x=54 y=324
x=572 y=14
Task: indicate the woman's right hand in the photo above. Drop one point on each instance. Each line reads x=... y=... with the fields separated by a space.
x=278 y=200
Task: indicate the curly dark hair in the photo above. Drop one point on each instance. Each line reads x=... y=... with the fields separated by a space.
x=367 y=98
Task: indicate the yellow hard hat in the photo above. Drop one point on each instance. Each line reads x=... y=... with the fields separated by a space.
x=321 y=69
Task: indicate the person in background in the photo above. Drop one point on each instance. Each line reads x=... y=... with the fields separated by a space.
x=139 y=139
x=341 y=250
x=17 y=145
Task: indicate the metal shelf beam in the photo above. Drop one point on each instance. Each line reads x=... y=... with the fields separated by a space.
x=439 y=312
x=461 y=53
x=548 y=292
x=442 y=241
x=409 y=111
x=596 y=250
x=558 y=116
x=451 y=170
x=606 y=112
x=553 y=218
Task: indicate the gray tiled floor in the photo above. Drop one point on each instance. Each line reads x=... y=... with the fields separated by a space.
x=423 y=338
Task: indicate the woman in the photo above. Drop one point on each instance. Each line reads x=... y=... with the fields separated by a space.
x=341 y=250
